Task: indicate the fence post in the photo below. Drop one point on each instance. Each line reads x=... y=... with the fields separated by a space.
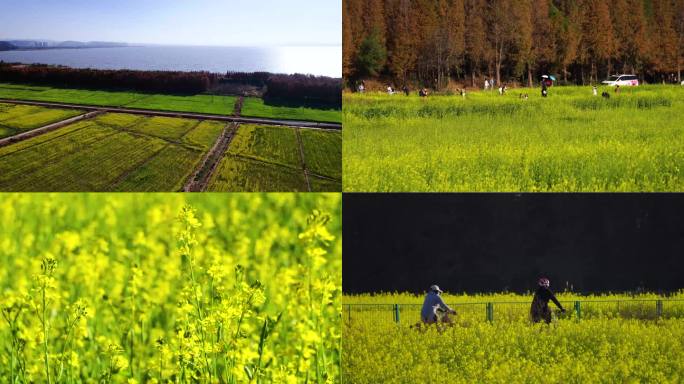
x=659 y=308
x=396 y=313
x=490 y=312
x=578 y=309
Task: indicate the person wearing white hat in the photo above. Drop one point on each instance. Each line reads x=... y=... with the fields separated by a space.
x=434 y=304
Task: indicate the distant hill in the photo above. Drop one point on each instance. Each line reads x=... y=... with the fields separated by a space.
x=6 y=46
x=48 y=44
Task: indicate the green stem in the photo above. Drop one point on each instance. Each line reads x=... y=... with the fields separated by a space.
x=45 y=339
x=199 y=315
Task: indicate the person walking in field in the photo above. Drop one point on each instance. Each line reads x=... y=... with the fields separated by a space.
x=540 y=303
x=433 y=306
x=486 y=85
x=594 y=90
x=544 y=91
x=406 y=89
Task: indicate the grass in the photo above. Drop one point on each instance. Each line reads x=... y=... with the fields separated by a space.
x=255 y=107
x=237 y=174
x=571 y=141
x=15 y=119
x=143 y=288
x=605 y=345
x=199 y=103
x=322 y=152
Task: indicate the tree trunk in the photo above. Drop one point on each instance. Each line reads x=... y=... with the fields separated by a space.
x=499 y=53
x=472 y=78
x=529 y=76
x=565 y=73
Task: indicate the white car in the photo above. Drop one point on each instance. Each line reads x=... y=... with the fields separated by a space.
x=622 y=80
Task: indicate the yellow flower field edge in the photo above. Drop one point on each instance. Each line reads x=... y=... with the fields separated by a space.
x=166 y=288
x=510 y=349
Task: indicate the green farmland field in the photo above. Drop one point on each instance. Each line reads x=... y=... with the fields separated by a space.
x=570 y=141
x=322 y=152
x=125 y=152
x=200 y=103
x=16 y=119
x=108 y=152
x=255 y=107
x=267 y=158
x=615 y=339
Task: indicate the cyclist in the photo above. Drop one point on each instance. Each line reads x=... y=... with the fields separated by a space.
x=540 y=304
x=433 y=305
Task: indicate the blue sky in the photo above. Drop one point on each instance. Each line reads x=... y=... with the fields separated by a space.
x=186 y=22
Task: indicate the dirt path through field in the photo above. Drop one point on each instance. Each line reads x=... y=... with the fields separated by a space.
x=189 y=115
x=45 y=129
x=198 y=181
x=301 y=158
x=238 y=106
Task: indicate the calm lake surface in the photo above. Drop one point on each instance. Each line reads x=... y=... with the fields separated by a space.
x=322 y=60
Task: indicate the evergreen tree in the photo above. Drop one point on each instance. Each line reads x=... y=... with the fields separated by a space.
x=372 y=55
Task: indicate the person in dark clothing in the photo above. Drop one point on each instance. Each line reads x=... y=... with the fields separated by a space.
x=540 y=304
x=406 y=90
x=545 y=92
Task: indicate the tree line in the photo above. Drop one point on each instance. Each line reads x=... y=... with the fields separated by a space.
x=296 y=88
x=581 y=41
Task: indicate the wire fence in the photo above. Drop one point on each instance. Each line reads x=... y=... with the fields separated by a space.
x=644 y=309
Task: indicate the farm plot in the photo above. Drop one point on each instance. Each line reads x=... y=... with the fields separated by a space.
x=267 y=158
x=199 y=103
x=213 y=104
x=110 y=152
x=255 y=107
x=15 y=119
x=569 y=142
x=322 y=152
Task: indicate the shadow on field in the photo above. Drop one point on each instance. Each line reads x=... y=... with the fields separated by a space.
x=314 y=104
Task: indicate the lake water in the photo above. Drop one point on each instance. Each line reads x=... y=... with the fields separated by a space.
x=322 y=60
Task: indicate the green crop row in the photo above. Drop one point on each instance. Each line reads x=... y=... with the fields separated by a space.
x=264 y=158
x=111 y=151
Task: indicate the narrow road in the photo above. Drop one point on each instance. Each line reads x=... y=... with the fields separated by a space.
x=199 y=180
x=189 y=115
x=45 y=129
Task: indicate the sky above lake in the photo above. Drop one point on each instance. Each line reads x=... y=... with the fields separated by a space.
x=181 y=22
